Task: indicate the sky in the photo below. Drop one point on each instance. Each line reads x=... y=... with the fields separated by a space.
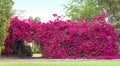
x=40 y=8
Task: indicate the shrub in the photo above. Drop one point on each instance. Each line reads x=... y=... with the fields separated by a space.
x=35 y=50
x=18 y=31
x=5 y=14
x=67 y=39
x=86 y=39
x=116 y=26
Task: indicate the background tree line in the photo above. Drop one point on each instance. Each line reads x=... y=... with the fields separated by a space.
x=91 y=8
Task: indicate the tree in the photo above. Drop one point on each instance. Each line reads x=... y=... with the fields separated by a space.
x=5 y=14
x=116 y=26
x=111 y=8
x=36 y=19
x=86 y=8
x=91 y=8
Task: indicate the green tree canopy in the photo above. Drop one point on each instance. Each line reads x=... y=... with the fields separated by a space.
x=36 y=19
x=111 y=8
x=91 y=8
x=5 y=14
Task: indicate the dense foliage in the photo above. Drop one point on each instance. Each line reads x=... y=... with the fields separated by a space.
x=116 y=26
x=82 y=39
x=86 y=8
x=36 y=19
x=92 y=8
x=18 y=31
x=66 y=39
x=5 y=14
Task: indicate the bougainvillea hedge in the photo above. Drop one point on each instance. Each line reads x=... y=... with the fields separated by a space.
x=66 y=39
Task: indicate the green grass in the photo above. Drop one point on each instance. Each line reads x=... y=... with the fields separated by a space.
x=82 y=63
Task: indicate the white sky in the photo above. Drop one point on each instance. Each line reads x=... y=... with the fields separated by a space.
x=40 y=8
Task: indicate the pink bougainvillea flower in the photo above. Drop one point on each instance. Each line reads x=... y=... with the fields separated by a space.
x=67 y=39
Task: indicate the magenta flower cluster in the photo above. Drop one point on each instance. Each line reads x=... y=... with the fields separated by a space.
x=66 y=39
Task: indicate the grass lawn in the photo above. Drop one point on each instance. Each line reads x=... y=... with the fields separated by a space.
x=82 y=63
